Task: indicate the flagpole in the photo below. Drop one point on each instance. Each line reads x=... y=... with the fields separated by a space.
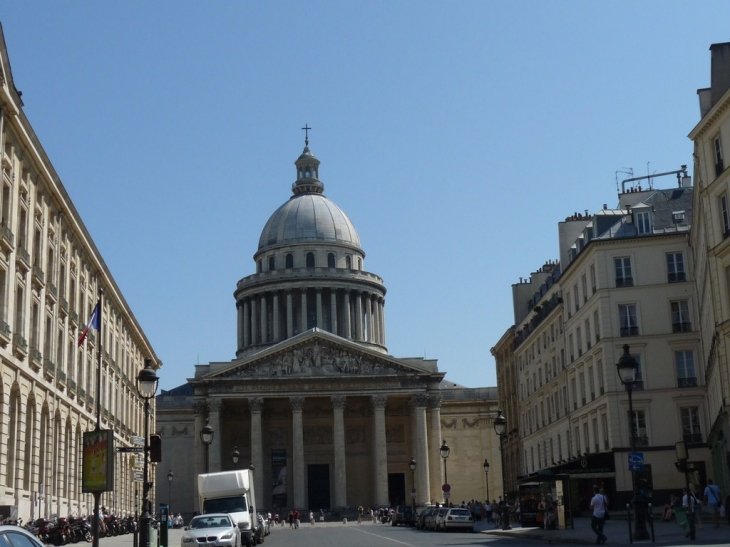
x=97 y=494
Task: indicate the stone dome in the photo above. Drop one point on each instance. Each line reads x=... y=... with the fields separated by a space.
x=308 y=216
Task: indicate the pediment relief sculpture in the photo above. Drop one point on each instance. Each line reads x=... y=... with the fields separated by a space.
x=316 y=360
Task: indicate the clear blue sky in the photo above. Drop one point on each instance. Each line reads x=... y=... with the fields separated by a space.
x=455 y=135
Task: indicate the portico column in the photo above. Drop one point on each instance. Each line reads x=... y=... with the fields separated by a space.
x=380 y=449
x=338 y=406
x=333 y=310
x=254 y=322
x=256 y=405
x=358 y=315
x=246 y=323
x=304 y=310
x=382 y=319
x=264 y=320
x=289 y=315
x=277 y=333
x=214 y=415
x=346 y=324
x=434 y=438
x=319 y=309
x=376 y=321
x=240 y=329
x=297 y=406
x=423 y=479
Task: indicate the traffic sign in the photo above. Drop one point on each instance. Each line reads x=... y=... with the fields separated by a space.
x=636 y=461
x=138 y=476
x=446 y=487
x=447 y=495
x=138 y=441
x=134 y=449
x=413 y=492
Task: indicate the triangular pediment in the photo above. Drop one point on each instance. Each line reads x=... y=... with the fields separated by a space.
x=317 y=354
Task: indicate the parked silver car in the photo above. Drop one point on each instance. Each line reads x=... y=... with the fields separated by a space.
x=212 y=530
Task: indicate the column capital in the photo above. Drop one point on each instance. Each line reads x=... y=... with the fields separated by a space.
x=200 y=407
x=338 y=402
x=378 y=401
x=256 y=404
x=434 y=401
x=419 y=400
x=297 y=403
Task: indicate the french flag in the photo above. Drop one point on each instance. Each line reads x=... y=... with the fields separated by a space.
x=94 y=321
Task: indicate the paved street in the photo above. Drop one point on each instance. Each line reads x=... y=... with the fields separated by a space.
x=337 y=534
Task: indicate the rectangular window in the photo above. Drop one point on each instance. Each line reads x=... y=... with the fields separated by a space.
x=573 y=388
x=595 y=435
x=599 y=368
x=643 y=222
x=575 y=297
x=719 y=163
x=685 y=364
x=593 y=278
x=586 y=438
x=628 y=323
x=691 y=430
x=584 y=287
x=638 y=421
x=583 y=387
x=725 y=212
x=570 y=348
x=591 y=383
x=588 y=333
x=579 y=340
x=675 y=267
x=604 y=421
x=624 y=277
x=596 y=326
x=560 y=449
x=680 y=316
x=577 y=441
x=568 y=304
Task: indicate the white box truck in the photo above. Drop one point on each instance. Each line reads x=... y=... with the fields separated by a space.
x=231 y=492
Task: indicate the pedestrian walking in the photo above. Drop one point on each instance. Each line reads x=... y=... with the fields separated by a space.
x=712 y=498
x=599 y=504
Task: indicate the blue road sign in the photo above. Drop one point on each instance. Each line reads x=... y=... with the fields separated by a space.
x=636 y=461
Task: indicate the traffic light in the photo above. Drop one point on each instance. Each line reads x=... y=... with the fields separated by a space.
x=155 y=448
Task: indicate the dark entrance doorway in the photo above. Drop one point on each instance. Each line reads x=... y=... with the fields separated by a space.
x=318 y=480
x=396 y=489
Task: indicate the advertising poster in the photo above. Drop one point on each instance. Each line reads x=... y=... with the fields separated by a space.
x=98 y=461
x=278 y=477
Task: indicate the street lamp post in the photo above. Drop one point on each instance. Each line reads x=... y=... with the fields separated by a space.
x=628 y=369
x=146 y=387
x=500 y=428
x=206 y=437
x=170 y=476
x=412 y=465
x=486 y=473
x=446 y=488
x=682 y=455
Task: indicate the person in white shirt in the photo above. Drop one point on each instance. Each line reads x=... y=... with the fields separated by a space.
x=598 y=506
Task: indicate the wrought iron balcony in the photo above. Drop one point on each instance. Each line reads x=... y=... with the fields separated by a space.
x=7 y=239
x=22 y=258
x=685 y=326
x=686 y=382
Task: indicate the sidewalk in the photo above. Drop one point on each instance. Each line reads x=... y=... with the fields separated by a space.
x=617 y=531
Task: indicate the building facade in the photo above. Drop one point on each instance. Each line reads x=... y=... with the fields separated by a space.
x=50 y=277
x=711 y=254
x=625 y=278
x=313 y=400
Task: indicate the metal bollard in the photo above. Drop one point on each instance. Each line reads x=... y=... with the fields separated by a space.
x=650 y=517
x=628 y=519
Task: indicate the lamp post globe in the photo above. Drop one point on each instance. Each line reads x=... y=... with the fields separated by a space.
x=445 y=451
x=235 y=456
x=486 y=474
x=147 y=381
x=412 y=466
x=206 y=437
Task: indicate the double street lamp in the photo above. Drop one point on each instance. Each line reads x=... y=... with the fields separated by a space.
x=412 y=465
x=445 y=450
x=628 y=369
x=486 y=473
x=170 y=476
x=146 y=387
x=500 y=428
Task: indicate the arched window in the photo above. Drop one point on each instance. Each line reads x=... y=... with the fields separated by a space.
x=289 y=260
x=331 y=260
x=359 y=263
x=310 y=260
x=258 y=266
x=271 y=263
x=348 y=262
x=307 y=174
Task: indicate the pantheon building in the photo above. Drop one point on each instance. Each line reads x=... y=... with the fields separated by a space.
x=312 y=399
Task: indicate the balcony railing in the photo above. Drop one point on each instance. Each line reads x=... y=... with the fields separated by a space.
x=38 y=275
x=624 y=281
x=36 y=356
x=682 y=327
x=692 y=438
x=629 y=331
x=5 y=334
x=49 y=367
x=686 y=382
x=676 y=277
x=23 y=258
x=7 y=238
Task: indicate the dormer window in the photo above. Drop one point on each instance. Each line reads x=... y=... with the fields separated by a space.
x=643 y=222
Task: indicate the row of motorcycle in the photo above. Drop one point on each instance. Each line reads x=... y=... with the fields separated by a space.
x=62 y=531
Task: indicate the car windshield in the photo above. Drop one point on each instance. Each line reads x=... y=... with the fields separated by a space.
x=210 y=522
